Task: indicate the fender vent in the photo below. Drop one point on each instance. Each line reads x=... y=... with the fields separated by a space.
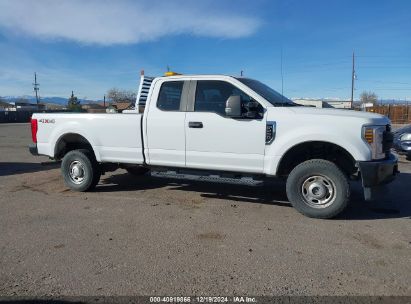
x=270 y=130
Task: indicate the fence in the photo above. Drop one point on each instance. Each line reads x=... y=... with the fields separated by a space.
x=398 y=114
x=15 y=116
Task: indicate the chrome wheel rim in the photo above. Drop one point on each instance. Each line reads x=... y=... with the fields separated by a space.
x=76 y=172
x=318 y=191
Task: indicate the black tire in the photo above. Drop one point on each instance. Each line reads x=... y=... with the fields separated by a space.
x=90 y=171
x=408 y=157
x=137 y=170
x=318 y=188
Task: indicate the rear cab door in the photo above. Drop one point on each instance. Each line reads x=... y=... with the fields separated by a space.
x=164 y=138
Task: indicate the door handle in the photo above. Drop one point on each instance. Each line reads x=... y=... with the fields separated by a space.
x=195 y=124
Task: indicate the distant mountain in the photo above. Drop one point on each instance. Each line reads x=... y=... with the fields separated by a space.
x=57 y=100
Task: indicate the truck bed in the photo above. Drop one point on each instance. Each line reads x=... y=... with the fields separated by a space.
x=113 y=137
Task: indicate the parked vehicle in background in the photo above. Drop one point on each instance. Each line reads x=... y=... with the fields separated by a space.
x=225 y=127
x=402 y=141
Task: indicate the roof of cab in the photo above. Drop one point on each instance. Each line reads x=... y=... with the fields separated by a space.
x=197 y=76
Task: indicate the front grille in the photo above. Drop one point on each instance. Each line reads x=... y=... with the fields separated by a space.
x=387 y=140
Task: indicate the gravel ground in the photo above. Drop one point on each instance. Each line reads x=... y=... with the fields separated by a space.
x=158 y=236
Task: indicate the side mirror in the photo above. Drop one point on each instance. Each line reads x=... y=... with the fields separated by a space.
x=252 y=105
x=233 y=106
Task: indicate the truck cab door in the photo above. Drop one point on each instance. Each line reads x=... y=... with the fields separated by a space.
x=164 y=118
x=216 y=141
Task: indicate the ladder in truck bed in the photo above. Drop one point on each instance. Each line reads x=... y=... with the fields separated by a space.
x=143 y=90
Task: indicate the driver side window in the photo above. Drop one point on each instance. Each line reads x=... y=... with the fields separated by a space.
x=211 y=96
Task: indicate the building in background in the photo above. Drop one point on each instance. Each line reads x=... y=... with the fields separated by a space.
x=118 y=107
x=94 y=108
x=22 y=106
x=55 y=107
x=4 y=105
x=27 y=106
x=324 y=103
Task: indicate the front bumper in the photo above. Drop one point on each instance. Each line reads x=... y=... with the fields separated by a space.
x=33 y=149
x=379 y=172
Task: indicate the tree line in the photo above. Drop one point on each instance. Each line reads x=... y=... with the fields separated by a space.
x=114 y=95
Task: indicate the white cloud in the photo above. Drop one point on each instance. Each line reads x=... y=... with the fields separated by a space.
x=121 y=22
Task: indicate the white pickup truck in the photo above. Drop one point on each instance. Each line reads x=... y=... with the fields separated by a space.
x=225 y=126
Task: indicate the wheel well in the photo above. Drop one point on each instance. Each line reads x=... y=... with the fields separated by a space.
x=69 y=142
x=317 y=150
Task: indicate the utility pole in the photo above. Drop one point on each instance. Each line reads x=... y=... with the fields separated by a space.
x=352 y=80
x=36 y=88
x=104 y=100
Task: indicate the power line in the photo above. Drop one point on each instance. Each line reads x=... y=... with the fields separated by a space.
x=393 y=89
x=386 y=67
x=318 y=65
x=387 y=82
x=386 y=56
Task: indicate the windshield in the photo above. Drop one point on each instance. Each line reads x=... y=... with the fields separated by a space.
x=273 y=97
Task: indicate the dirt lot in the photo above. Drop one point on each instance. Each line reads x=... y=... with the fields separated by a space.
x=156 y=236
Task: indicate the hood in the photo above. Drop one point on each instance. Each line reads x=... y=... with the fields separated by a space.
x=406 y=129
x=365 y=116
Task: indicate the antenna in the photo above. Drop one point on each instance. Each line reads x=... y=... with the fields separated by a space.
x=352 y=79
x=282 y=76
x=36 y=87
x=241 y=73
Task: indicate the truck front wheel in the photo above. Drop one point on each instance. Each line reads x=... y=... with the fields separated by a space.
x=80 y=170
x=318 y=188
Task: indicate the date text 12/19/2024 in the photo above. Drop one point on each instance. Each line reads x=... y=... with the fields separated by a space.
x=203 y=299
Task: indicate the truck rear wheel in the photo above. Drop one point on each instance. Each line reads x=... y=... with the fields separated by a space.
x=80 y=170
x=318 y=188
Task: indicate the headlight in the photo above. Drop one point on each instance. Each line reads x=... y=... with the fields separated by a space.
x=405 y=141
x=405 y=137
x=373 y=135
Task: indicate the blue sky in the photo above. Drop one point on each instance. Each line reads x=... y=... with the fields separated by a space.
x=92 y=46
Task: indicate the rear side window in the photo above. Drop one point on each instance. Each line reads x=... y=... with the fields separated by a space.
x=170 y=96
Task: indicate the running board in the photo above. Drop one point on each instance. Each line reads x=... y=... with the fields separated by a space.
x=213 y=178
